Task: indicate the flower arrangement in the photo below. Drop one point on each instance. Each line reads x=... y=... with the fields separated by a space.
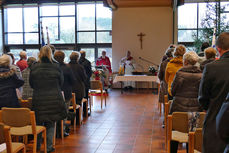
x=98 y=74
x=152 y=70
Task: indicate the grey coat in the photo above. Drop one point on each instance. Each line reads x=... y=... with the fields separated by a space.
x=163 y=85
x=185 y=89
x=214 y=87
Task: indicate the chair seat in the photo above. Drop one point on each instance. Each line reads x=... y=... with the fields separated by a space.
x=77 y=107
x=25 y=130
x=196 y=151
x=15 y=147
x=179 y=136
x=97 y=93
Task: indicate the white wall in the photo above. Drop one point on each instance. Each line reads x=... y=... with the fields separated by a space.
x=155 y=22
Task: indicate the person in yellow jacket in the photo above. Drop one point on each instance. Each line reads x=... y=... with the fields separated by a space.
x=173 y=66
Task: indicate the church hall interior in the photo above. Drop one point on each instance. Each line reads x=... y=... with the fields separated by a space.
x=106 y=76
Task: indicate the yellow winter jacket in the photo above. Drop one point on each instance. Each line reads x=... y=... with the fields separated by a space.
x=173 y=66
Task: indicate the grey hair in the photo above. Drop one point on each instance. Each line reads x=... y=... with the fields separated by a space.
x=75 y=56
x=5 y=60
x=191 y=57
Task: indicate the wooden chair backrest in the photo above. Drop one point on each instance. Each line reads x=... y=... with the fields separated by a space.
x=198 y=140
x=180 y=122
x=2 y=136
x=201 y=120
x=18 y=117
x=96 y=85
x=5 y=137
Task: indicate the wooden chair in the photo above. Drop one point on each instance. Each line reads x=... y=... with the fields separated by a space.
x=97 y=90
x=27 y=103
x=23 y=123
x=178 y=128
x=74 y=107
x=85 y=102
x=195 y=141
x=5 y=137
x=166 y=113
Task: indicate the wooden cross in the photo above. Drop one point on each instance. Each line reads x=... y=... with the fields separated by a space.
x=141 y=35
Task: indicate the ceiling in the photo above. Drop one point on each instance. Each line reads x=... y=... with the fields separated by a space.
x=142 y=3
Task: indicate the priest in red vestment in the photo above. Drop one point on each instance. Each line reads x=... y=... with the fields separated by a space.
x=104 y=61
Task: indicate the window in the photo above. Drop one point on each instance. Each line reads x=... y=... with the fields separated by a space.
x=69 y=26
x=190 y=22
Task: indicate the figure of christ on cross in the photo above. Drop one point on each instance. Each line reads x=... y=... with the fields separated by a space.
x=141 y=35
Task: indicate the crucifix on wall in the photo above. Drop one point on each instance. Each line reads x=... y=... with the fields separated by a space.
x=141 y=35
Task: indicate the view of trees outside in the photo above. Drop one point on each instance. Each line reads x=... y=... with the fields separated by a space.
x=30 y=53
x=193 y=20
x=94 y=22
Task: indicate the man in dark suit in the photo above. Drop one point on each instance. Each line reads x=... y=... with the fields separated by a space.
x=214 y=87
x=87 y=67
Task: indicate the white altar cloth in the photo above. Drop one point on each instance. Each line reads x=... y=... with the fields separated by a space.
x=137 y=78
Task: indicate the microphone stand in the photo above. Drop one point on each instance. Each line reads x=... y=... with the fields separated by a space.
x=148 y=61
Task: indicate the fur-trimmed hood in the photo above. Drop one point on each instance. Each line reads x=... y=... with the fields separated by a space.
x=6 y=72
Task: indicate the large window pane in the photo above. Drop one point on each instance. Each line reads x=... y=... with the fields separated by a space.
x=32 y=53
x=52 y=24
x=103 y=17
x=49 y=10
x=90 y=55
x=186 y=35
x=104 y=37
x=16 y=53
x=187 y=16
x=14 y=18
x=226 y=5
x=31 y=19
x=86 y=16
x=86 y=37
x=202 y=15
x=67 y=30
x=67 y=9
x=15 y=38
x=31 y=38
x=67 y=55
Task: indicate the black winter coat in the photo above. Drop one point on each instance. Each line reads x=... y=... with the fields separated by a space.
x=46 y=80
x=185 y=89
x=80 y=76
x=69 y=81
x=87 y=67
x=214 y=87
x=8 y=84
x=222 y=121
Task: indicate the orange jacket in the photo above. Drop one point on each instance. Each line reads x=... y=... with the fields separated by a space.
x=173 y=66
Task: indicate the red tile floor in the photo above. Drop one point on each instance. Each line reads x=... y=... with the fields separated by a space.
x=129 y=124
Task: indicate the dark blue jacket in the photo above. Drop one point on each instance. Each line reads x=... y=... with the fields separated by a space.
x=8 y=84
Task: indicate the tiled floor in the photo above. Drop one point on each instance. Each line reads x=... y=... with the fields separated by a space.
x=129 y=124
